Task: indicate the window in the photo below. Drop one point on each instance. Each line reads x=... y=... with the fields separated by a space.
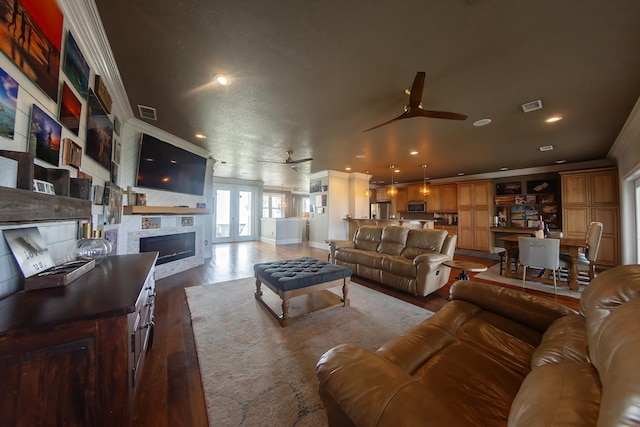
x=272 y=206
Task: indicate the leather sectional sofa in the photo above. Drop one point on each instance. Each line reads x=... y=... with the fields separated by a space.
x=497 y=357
x=399 y=257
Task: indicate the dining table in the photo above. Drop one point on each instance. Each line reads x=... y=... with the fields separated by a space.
x=570 y=245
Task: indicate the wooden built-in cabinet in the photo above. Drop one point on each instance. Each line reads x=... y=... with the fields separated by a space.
x=475 y=204
x=442 y=198
x=592 y=195
x=73 y=355
x=382 y=195
x=414 y=192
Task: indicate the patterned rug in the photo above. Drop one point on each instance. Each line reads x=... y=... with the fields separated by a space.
x=255 y=372
x=493 y=274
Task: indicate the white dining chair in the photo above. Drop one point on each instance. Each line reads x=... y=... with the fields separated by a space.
x=540 y=253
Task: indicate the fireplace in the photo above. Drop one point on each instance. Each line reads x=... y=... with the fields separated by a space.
x=170 y=247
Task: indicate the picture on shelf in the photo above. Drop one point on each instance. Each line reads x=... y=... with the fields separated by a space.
x=531 y=198
x=141 y=199
x=546 y=198
x=505 y=200
x=187 y=221
x=76 y=67
x=548 y=209
x=32 y=38
x=315 y=186
x=8 y=103
x=150 y=223
x=552 y=220
x=29 y=250
x=542 y=186
x=520 y=200
x=70 y=109
x=113 y=210
x=505 y=188
x=45 y=136
x=71 y=153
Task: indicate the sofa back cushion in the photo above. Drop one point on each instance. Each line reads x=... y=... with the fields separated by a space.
x=421 y=241
x=611 y=304
x=394 y=240
x=368 y=238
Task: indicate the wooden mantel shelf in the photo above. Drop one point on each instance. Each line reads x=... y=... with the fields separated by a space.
x=164 y=210
x=19 y=206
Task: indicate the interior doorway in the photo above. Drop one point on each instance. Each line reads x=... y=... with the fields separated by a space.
x=233 y=213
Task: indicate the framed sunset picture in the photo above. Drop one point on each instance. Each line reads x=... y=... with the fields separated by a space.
x=70 y=109
x=99 y=140
x=34 y=29
x=44 y=136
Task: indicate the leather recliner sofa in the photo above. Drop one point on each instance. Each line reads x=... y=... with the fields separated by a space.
x=403 y=258
x=497 y=357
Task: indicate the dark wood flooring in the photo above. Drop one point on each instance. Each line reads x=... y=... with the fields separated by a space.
x=170 y=392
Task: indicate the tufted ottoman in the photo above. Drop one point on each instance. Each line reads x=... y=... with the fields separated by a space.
x=306 y=277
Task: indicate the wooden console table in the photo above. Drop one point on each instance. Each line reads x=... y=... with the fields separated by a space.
x=73 y=355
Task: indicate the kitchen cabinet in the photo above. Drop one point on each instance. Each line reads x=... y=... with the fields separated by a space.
x=414 y=192
x=399 y=202
x=74 y=355
x=442 y=198
x=475 y=203
x=382 y=196
x=592 y=195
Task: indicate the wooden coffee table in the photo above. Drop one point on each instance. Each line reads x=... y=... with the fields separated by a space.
x=473 y=267
x=301 y=285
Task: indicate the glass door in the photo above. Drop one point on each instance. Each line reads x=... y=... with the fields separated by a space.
x=233 y=218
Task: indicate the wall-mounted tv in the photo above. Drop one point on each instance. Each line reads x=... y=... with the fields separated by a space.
x=162 y=166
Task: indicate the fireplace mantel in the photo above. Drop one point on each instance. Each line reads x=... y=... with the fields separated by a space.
x=164 y=210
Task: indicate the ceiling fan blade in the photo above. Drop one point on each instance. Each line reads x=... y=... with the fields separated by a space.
x=400 y=117
x=415 y=97
x=442 y=115
x=295 y=162
x=272 y=162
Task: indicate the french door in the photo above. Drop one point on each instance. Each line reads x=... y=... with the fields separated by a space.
x=233 y=214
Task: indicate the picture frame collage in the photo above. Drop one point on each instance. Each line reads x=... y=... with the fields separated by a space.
x=518 y=209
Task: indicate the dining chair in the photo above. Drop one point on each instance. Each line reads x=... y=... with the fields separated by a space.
x=541 y=253
x=587 y=258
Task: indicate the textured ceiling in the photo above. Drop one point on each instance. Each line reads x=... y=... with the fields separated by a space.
x=312 y=76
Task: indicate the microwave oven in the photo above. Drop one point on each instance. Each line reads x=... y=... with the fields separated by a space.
x=417 y=207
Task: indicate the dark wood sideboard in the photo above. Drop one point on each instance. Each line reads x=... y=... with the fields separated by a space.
x=73 y=355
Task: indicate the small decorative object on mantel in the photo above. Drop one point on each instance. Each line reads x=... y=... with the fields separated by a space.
x=36 y=263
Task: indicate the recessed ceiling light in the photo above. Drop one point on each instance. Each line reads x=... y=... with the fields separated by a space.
x=397 y=170
x=347 y=169
x=359 y=156
x=460 y=173
x=504 y=169
x=561 y=161
x=413 y=153
x=222 y=79
x=546 y=148
x=553 y=119
x=200 y=136
x=482 y=122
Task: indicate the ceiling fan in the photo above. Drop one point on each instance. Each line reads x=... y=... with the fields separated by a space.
x=289 y=160
x=414 y=109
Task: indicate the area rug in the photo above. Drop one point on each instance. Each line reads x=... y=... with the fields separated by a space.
x=493 y=274
x=256 y=373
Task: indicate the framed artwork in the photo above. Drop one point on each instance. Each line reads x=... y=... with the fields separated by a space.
x=44 y=136
x=116 y=125
x=114 y=172
x=75 y=66
x=113 y=210
x=8 y=102
x=117 y=149
x=315 y=186
x=99 y=133
x=70 y=109
x=505 y=200
x=103 y=94
x=71 y=153
x=542 y=186
x=34 y=29
x=111 y=234
x=505 y=188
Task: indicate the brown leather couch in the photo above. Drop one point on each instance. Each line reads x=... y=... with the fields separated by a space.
x=403 y=258
x=498 y=357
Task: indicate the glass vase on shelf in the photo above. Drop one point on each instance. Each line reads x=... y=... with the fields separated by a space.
x=90 y=246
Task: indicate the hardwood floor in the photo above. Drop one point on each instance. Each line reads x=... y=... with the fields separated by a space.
x=170 y=392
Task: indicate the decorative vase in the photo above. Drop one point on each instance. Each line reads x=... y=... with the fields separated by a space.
x=90 y=248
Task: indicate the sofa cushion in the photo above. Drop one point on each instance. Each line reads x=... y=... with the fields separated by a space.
x=394 y=239
x=420 y=241
x=368 y=238
x=558 y=394
x=564 y=341
x=399 y=265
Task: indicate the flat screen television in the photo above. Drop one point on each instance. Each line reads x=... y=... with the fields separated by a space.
x=162 y=166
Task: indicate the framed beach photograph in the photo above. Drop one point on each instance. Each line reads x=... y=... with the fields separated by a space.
x=70 y=109
x=75 y=66
x=44 y=136
x=31 y=33
x=8 y=102
x=99 y=133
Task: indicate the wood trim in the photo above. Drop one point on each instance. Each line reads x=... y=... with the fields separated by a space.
x=18 y=205
x=164 y=210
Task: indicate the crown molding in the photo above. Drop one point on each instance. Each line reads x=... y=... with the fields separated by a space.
x=83 y=19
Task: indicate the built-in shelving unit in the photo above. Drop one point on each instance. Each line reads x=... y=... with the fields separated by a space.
x=164 y=210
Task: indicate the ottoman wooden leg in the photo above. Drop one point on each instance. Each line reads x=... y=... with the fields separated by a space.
x=345 y=293
x=258 y=293
x=285 y=312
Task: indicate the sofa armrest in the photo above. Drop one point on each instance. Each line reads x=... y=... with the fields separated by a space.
x=359 y=387
x=434 y=259
x=335 y=244
x=527 y=309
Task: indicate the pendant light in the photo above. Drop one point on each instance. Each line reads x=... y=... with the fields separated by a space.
x=425 y=190
x=392 y=191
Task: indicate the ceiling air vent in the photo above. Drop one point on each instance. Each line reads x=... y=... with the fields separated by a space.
x=532 y=106
x=148 y=113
